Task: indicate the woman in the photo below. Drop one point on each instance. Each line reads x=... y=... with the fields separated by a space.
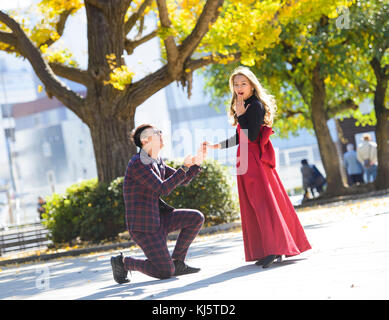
x=270 y=224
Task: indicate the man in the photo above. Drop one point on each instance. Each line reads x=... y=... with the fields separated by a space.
x=149 y=219
x=353 y=166
x=41 y=210
x=367 y=155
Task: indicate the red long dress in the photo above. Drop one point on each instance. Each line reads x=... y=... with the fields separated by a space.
x=269 y=222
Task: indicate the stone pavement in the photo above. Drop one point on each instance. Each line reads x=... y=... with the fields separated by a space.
x=349 y=259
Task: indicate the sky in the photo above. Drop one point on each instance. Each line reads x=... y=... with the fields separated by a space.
x=14 y=4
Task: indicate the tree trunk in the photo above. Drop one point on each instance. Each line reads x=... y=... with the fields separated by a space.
x=382 y=127
x=110 y=133
x=327 y=148
x=382 y=136
x=112 y=147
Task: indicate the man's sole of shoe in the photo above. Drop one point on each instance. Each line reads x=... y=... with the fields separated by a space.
x=118 y=280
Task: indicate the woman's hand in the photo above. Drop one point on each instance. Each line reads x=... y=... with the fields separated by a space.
x=239 y=106
x=211 y=146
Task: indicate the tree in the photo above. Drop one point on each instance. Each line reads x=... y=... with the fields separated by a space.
x=193 y=34
x=111 y=100
x=369 y=32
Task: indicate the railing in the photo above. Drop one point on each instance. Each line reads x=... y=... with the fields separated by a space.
x=22 y=238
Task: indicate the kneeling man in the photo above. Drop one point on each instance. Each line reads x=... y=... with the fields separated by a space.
x=149 y=219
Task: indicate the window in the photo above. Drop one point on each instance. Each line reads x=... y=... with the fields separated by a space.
x=46 y=147
x=295 y=157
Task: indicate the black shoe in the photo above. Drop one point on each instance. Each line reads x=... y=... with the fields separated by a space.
x=268 y=261
x=262 y=261
x=119 y=273
x=182 y=268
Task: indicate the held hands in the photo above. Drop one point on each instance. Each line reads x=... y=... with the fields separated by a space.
x=206 y=144
x=198 y=158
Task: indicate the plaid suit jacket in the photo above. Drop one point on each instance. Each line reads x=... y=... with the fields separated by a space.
x=143 y=185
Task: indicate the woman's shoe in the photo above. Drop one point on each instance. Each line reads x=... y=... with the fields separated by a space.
x=268 y=261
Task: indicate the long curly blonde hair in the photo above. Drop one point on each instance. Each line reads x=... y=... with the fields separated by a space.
x=261 y=93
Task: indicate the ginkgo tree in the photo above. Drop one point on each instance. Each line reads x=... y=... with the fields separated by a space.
x=193 y=34
x=318 y=71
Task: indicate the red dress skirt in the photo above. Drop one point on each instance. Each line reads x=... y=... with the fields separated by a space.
x=269 y=222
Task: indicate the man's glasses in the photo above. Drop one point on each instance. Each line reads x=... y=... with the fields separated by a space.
x=150 y=132
x=157 y=132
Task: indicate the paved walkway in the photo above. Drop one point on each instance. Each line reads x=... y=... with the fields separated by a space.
x=349 y=260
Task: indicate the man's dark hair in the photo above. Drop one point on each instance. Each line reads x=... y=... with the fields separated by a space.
x=135 y=134
x=304 y=161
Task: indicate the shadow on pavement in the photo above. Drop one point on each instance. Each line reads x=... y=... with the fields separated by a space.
x=130 y=290
x=225 y=276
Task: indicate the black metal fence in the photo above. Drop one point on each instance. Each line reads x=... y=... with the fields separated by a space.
x=23 y=237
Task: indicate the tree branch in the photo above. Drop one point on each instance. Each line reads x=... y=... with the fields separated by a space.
x=346 y=104
x=8 y=38
x=376 y=65
x=208 y=16
x=291 y=113
x=386 y=72
x=130 y=23
x=140 y=91
x=130 y=45
x=60 y=26
x=179 y=66
x=71 y=73
x=211 y=59
x=170 y=45
x=141 y=27
x=52 y=84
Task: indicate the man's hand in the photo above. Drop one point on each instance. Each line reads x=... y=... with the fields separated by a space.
x=188 y=161
x=201 y=155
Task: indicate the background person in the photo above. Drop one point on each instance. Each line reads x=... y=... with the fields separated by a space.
x=354 y=168
x=367 y=155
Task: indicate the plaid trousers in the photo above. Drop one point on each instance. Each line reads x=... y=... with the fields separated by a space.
x=159 y=263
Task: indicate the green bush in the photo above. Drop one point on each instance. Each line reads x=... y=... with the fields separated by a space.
x=211 y=191
x=89 y=210
x=95 y=211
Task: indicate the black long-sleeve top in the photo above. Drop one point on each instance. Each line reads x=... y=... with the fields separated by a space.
x=251 y=120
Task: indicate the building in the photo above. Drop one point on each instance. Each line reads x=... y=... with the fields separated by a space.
x=16 y=85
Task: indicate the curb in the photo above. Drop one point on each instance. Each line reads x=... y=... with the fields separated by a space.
x=358 y=196
x=114 y=246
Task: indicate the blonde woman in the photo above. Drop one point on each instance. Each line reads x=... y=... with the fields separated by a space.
x=270 y=225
